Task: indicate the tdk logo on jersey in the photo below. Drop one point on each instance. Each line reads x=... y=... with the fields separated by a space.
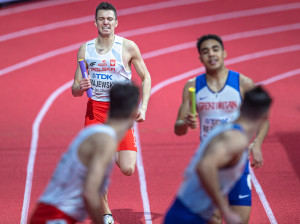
x=102 y=76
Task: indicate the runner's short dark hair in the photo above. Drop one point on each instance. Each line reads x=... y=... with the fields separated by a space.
x=256 y=103
x=123 y=100
x=106 y=6
x=209 y=37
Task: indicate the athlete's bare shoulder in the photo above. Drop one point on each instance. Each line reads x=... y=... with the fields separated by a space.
x=236 y=138
x=190 y=83
x=81 y=51
x=96 y=143
x=129 y=45
x=245 y=84
x=130 y=51
x=234 y=141
x=228 y=145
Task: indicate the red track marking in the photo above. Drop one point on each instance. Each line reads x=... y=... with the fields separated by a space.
x=87 y=29
x=28 y=187
x=20 y=124
x=57 y=93
x=169 y=167
x=89 y=19
x=208 y=19
x=171 y=49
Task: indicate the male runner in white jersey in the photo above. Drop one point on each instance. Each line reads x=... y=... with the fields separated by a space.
x=219 y=94
x=218 y=163
x=109 y=58
x=83 y=172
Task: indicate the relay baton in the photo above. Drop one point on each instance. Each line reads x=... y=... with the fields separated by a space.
x=84 y=75
x=192 y=92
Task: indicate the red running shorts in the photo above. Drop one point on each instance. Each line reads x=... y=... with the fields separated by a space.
x=97 y=112
x=47 y=214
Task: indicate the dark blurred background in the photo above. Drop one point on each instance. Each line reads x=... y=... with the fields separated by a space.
x=4 y=3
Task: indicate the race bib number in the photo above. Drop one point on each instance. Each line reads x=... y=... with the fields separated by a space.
x=101 y=82
x=210 y=123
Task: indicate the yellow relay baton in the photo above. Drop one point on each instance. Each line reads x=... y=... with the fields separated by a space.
x=192 y=92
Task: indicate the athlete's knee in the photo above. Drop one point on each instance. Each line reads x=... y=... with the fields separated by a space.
x=127 y=170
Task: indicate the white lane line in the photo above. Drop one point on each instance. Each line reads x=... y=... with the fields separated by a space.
x=33 y=147
x=271 y=80
x=157 y=6
x=156 y=28
x=231 y=61
x=212 y=18
x=265 y=53
x=142 y=178
x=262 y=198
x=179 y=47
x=91 y=18
x=33 y=6
x=279 y=77
x=39 y=58
x=156 y=88
x=229 y=37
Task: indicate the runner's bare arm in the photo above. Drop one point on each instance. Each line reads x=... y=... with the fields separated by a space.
x=142 y=71
x=223 y=151
x=184 y=118
x=255 y=146
x=79 y=84
x=98 y=162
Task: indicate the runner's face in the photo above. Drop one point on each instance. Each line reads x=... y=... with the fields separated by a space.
x=106 y=22
x=212 y=55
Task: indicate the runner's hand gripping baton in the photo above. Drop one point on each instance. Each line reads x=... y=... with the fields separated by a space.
x=84 y=75
x=192 y=92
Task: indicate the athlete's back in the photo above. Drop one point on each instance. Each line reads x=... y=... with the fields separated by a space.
x=66 y=185
x=192 y=194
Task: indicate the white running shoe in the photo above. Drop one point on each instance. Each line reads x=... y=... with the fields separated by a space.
x=108 y=219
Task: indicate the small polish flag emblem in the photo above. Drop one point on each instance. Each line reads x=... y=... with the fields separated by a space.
x=112 y=62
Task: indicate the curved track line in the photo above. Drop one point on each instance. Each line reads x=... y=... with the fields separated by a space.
x=156 y=28
x=229 y=37
x=39 y=58
x=39 y=5
x=279 y=77
x=158 y=6
x=33 y=148
x=242 y=58
x=179 y=47
x=213 y=18
x=91 y=18
x=50 y=100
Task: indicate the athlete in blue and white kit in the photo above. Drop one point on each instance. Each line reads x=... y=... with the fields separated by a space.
x=83 y=172
x=218 y=163
x=219 y=93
